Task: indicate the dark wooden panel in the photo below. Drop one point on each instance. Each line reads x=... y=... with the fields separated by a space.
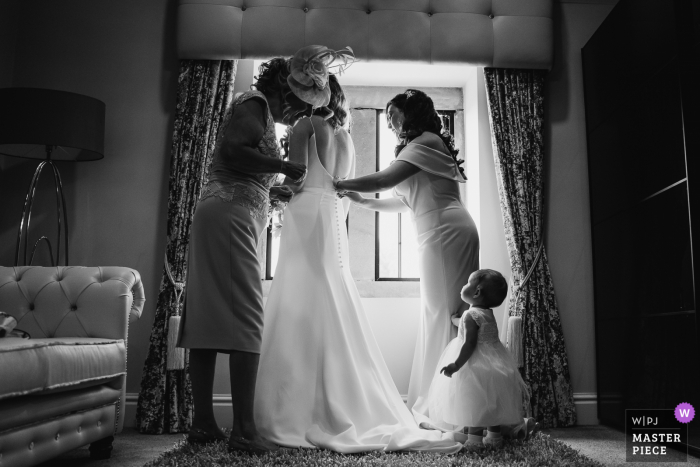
x=638 y=149
x=663 y=266
x=635 y=40
x=640 y=84
x=614 y=258
x=660 y=360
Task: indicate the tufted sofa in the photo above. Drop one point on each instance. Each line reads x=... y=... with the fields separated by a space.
x=65 y=387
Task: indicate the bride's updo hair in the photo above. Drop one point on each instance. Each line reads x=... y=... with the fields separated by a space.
x=272 y=80
x=337 y=112
x=420 y=116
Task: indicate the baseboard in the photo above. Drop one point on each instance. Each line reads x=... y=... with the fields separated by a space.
x=586 y=408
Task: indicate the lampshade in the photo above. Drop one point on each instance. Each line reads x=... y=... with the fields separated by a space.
x=32 y=118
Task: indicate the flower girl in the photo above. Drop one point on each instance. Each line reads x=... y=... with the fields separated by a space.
x=478 y=384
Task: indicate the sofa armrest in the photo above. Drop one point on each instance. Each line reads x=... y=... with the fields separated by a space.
x=72 y=301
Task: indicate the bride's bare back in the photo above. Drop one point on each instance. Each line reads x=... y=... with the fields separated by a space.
x=336 y=151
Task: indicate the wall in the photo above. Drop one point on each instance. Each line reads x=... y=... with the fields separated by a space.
x=9 y=13
x=122 y=53
x=567 y=221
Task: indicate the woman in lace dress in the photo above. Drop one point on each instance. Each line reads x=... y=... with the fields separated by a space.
x=224 y=307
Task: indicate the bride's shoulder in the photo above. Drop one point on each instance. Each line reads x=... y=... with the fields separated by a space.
x=303 y=125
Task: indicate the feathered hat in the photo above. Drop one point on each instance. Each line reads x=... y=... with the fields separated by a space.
x=309 y=70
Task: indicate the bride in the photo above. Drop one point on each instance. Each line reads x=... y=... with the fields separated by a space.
x=322 y=381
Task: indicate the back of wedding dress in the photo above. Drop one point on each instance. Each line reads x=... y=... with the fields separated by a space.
x=322 y=381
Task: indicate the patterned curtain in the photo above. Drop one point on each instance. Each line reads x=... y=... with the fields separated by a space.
x=516 y=112
x=204 y=94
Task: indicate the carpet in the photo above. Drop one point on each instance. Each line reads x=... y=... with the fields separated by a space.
x=540 y=450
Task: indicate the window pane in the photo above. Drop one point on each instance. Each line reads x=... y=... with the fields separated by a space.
x=388 y=244
x=409 y=248
x=280 y=131
x=388 y=222
x=387 y=143
x=275 y=243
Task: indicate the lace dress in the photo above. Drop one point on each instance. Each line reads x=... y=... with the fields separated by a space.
x=487 y=390
x=223 y=305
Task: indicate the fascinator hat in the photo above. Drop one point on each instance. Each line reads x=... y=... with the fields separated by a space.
x=309 y=69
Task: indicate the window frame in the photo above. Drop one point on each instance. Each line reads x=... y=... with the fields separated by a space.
x=450 y=114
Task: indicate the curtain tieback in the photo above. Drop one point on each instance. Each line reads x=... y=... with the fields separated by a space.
x=176 y=355
x=514 y=333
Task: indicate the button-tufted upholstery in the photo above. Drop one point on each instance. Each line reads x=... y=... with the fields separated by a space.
x=499 y=33
x=71 y=301
x=64 y=387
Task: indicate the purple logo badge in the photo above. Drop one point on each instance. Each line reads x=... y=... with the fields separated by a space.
x=684 y=412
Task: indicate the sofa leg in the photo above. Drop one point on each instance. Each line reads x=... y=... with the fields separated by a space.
x=102 y=448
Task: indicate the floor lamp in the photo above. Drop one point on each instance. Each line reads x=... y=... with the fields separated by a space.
x=50 y=126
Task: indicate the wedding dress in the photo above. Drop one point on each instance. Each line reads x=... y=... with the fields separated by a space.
x=322 y=380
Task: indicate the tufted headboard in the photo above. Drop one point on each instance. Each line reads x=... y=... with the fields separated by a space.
x=499 y=33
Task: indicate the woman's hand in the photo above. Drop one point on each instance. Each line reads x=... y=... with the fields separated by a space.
x=296 y=171
x=449 y=370
x=352 y=196
x=282 y=193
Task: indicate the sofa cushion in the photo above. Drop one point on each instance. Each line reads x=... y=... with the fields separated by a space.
x=32 y=366
x=19 y=411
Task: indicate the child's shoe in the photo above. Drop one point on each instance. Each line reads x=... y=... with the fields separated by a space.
x=493 y=440
x=474 y=443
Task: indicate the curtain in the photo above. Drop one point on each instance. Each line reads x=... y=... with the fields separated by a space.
x=516 y=113
x=204 y=95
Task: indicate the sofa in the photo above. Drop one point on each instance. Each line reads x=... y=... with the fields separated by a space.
x=64 y=387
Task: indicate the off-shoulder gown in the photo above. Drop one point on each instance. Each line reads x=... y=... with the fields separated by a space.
x=448 y=252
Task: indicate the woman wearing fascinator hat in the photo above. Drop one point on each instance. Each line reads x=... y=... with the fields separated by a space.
x=224 y=302
x=322 y=380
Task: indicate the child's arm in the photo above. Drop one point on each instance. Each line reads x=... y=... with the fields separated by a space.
x=467 y=348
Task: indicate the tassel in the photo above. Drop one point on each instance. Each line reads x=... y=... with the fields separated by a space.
x=514 y=339
x=176 y=355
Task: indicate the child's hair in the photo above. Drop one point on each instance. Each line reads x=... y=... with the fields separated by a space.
x=493 y=285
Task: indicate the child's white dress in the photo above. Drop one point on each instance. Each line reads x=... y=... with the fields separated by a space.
x=487 y=390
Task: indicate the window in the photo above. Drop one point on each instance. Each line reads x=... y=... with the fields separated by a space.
x=272 y=245
x=396 y=246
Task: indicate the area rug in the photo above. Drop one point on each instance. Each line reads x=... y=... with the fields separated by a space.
x=540 y=450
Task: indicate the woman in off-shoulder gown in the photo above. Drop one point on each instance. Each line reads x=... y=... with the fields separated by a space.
x=426 y=180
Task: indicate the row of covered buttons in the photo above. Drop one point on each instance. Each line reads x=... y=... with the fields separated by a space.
x=337 y=222
x=58 y=435
x=306 y=10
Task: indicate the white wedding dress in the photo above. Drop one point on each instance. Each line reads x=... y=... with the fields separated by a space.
x=322 y=380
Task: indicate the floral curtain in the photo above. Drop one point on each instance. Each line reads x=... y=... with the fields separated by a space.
x=204 y=94
x=516 y=112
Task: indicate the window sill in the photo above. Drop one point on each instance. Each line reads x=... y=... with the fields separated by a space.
x=375 y=289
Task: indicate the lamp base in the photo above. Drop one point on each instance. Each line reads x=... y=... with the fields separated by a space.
x=27 y=214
